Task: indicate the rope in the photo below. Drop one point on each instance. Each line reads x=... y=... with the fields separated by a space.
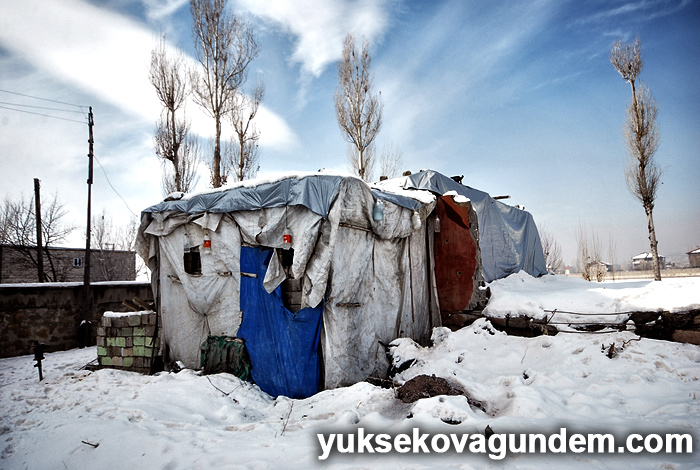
x=599 y=314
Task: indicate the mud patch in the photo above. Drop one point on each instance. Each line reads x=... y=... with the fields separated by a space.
x=426 y=386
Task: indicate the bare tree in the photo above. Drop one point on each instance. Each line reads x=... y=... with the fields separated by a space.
x=173 y=140
x=590 y=254
x=244 y=146
x=224 y=46
x=583 y=252
x=18 y=230
x=369 y=161
x=597 y=266
x=108 y=239
x=612 y=255
x=358 y=109
x=390 y=160
x=552 y=251
x=188 y=163
x=642 y=173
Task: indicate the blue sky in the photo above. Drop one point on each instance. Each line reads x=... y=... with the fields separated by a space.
x=518 y=96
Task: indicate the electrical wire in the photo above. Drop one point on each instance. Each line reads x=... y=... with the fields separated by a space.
x=43 y=107
x=42 y=99
x=44 y=115
x=113 y=188
x=80 y=107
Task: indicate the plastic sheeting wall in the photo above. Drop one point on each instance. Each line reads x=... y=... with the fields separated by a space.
x=375 y=276
x=508 y=236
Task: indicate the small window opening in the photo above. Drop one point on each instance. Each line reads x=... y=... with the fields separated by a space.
x=192 y=260
x=77 y=262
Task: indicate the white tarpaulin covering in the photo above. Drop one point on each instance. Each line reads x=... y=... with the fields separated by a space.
x=374 y=276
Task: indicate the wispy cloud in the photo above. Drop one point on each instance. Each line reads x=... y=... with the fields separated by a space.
x=638 y=11
x=105 y=53
x=320 y=26
x=158 y=10
x=92 y=48
x=463 y=57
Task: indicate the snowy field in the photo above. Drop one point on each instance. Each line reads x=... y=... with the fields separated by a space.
x=77 y=419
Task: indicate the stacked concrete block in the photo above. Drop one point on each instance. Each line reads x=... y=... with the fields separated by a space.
x=128 y=341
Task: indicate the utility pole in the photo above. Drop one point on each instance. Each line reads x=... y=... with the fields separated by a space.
x=37 y=210
x=84 y=330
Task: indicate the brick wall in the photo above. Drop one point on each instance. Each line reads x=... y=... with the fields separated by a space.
x=51 y=312
x=128 y=341
x=66 y=265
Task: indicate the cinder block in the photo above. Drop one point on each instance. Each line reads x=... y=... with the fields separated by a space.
x=101 y=341
x=105 y=361
x=106 y=321
x=129 y=341
x=126 y=331
x=148 y=352
x=100 y=331
x=120 y=341
x=116 y=361
x=150 y=330
x=139 y=351
x=134 y=320
x=101 y=351
x=127 y=352
x=127 y=362
x=139 y=331
x=110 y=341
x=139 y=340
x=149 y=342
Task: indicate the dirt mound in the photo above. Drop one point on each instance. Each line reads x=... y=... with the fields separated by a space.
x=425 y=386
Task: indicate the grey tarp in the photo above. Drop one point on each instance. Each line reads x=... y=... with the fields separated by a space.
x=508 y=236
x=315 y=192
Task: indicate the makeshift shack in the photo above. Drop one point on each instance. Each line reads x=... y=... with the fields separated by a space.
x=363 y=260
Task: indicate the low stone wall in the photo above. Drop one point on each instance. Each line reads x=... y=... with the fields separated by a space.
x=128 y=341
x=51 y=312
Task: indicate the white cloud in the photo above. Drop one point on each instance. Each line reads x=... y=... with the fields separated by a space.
x=92 y=48
x=158 y=10
x=100 y=51
x=321 y=25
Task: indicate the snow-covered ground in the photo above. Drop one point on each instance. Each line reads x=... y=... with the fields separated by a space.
x=602 y=302
x=77 y=419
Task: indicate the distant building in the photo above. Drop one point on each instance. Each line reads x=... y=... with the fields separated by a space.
x=644 y=262
x=600 y=266
x=694 y=258
x=18 y=265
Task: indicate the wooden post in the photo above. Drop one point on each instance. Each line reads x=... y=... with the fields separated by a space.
x=37 y=210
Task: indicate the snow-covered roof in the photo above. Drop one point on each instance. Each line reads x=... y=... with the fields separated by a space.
x=315 y=191
x=695 y=251
x=641 y=256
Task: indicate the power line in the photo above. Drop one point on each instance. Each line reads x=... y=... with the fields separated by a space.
x=43 y=107
x=113 y=188
x=41 y=114
x=42 y=99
